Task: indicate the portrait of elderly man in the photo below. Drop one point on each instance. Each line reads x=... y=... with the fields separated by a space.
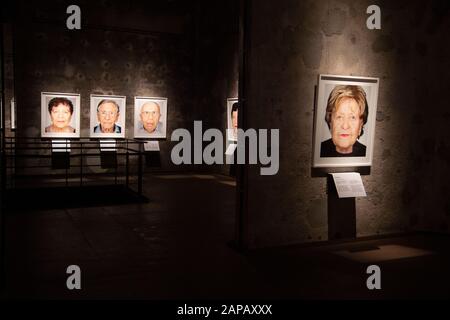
x=108 y=112
x=346 y=114
x=149 y=119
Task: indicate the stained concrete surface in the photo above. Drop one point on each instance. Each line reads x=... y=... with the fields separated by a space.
x=185 y=51
x=176 y=246
x=290 y=43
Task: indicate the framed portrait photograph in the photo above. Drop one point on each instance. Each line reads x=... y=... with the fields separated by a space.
x=60 y=115
x=232 y=119
x=107 y=116
x=150 y=117
x=13 y=114
x=345 y=115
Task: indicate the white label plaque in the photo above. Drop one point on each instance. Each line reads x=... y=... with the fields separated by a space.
x=151 y=146
x=349 y=185
x=108 y=145
x=60 y=145
x=231 y=148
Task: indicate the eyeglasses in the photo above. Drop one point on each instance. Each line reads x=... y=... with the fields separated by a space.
x=149 y=113
x=108 y=113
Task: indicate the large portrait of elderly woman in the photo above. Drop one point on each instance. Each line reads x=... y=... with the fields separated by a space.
x=60 y=115
x=107 y=116
x=345 y=121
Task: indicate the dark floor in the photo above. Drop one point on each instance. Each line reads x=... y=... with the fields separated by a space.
x=175 y=246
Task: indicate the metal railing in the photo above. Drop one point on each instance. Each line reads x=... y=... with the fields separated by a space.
x=80 y=161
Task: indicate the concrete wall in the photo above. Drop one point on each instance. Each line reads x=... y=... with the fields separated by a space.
x=183 y=50
x=427 y=190
x=130 y=49
x=217 y=53
x=291 y=43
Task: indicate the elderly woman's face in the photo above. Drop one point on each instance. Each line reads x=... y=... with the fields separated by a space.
x=346 y=125
x=60 y=115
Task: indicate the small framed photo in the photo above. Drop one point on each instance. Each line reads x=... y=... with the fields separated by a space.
x=345 y=118
x=60 y=115
x=13 y=113
x=150 y=117
x=107 y=116
x=232 y=119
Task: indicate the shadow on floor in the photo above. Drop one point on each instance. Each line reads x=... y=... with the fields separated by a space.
x=70 y=197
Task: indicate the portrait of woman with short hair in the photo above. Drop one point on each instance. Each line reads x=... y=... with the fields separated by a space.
x=346 y=115
x=60 y=114
x=344 y=127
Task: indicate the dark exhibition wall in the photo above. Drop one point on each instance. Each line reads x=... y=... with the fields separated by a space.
x=217 y=63
x=185 y=51
x=290 y=44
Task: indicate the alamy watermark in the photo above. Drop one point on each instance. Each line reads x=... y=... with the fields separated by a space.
x=73 y=22
x=374 y=21
x=374 y=280
x=258 y=148
x=74 y=280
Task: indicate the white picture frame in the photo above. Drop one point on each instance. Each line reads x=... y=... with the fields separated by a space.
x=151 y=129
x=112 y=119
x=55 y=124
x=326 y=143
x=230 y=132
x=13 y=113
